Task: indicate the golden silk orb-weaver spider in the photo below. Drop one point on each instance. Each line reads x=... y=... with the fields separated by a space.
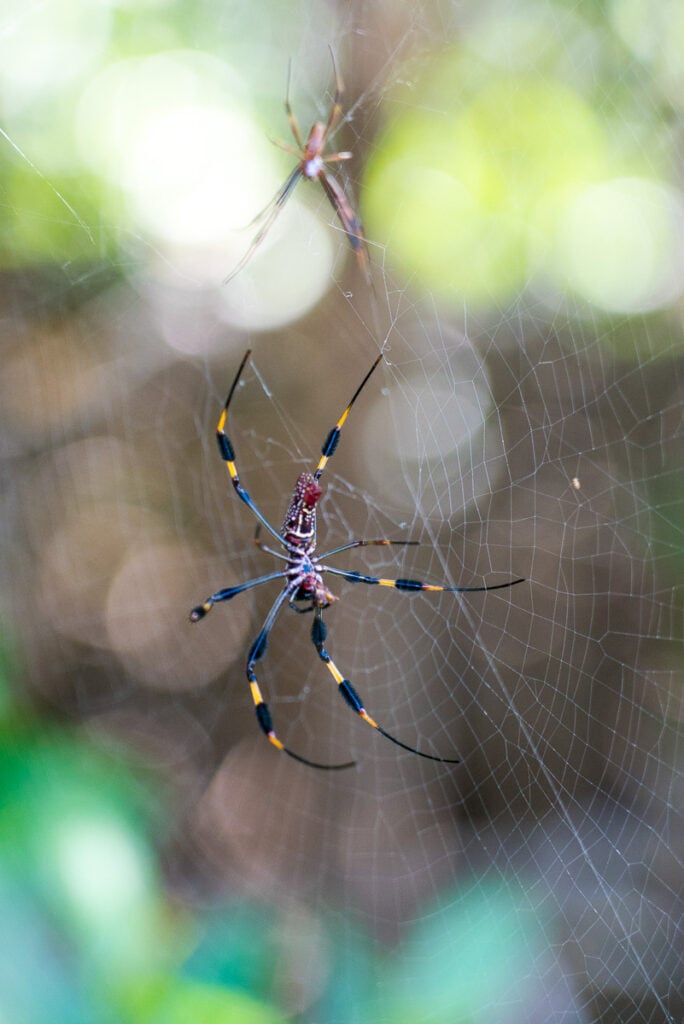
x=312 y=160
x=303 y=588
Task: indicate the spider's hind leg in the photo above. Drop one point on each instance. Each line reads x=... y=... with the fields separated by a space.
x=318 y=634
x=263 y=713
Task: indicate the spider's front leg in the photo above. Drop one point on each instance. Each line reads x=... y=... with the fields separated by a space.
x=227 y=453
x=336 y=109
x=333 y=439
x=291 y=119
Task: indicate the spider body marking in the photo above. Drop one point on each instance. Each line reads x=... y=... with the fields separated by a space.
x=302 y=577
x=299 y=539
x=312 y=161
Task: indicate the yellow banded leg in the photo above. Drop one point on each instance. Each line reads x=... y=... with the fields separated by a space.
x=264 y=715
x=332 y=440
x=227 y=453
x=413 y=585
x=318 y=635
x=226 y=448
x=266 y=724
x=348 y=692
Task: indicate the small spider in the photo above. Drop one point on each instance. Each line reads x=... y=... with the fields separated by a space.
x=303 y=576
x=312 y=160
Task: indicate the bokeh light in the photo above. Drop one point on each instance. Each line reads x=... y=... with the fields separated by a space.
x=46 y=47
x=173 y=139
x=620 y=245
x=655 y=35
x=167 y=131
x=467 y=195
x=436 y=421
x=517 y=171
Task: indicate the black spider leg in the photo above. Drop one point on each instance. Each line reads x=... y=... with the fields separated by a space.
x=333 y=438
x=414 y=585
x=257 y=651
x=318 y=634
x=229 y=592
x=227 y=453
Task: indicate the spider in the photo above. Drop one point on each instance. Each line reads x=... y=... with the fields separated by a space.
x=312 y=160
x=303 y=588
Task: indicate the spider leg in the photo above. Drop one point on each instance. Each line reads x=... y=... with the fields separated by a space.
x=318 y=634
x=263 y=714
x=333 y=438
x=263 y=547
x=292 y=120
x=227 y=453
x=350 y=221
x=357 y=577
x=278 y=199
x=301 y=611
x=365 y=544
x=336 y=109
x=270 y=212
x=286 y=149
x=229 y=592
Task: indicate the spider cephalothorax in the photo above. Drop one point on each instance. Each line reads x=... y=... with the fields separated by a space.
x=299 y=538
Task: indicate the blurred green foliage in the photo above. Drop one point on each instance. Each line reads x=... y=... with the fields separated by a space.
x=475 y=182
x=175 y=1000
x=478 y=184
x=92 y=936
x=95 y=940
x=476 y=949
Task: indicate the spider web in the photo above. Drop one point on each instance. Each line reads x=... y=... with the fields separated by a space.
x=531 y=435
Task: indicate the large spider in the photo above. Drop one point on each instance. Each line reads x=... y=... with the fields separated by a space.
x=303 y=576
x=312 y=160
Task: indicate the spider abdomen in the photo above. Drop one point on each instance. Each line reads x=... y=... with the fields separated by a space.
x=299 y=525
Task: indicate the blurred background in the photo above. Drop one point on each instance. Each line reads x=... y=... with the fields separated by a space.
x=518 y=171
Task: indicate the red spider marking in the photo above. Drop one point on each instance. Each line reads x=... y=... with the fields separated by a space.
x=299 y=526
